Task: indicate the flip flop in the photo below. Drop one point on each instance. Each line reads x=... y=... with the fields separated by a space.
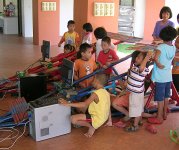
x=119 y=124
x=154 y=121
x=151 y=129
x=174 y=136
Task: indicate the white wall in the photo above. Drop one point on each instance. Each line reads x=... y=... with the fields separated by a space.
x=27 y=20
x=139 y=19
x=174 y=6
x=66 y=13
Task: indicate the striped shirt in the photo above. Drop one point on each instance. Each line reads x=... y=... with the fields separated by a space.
x=135 y=81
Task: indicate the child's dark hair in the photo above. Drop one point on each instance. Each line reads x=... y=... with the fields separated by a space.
x=168 y=34
x=100 y=32
x=69 y=47
x=70 y=22
x=102 y=78
x=164 y=10
x=83 y=49
x=178 y=16
x=136 y=53
x=106 y=39
x=88 y=27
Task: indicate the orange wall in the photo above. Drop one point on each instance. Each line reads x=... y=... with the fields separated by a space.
x=151 y=16
x=45 y=23
x=83 y=12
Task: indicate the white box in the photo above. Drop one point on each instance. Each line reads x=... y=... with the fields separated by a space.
x=49 y=121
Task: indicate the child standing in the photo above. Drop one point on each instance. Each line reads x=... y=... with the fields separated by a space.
x=84 y=65
x=87 y=33
x=107 y=55
x=98 y=107
x=162 y=74
x=135 y=85
x=70 y=37
x=165 y=15
x=100 y=33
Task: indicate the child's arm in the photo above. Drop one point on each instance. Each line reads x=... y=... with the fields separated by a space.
x=61 y=41
x=84 y=104
x=144 y=62
x=157 y=54
x=177 y=43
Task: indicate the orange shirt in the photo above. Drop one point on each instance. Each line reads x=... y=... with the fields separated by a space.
x=83 y=68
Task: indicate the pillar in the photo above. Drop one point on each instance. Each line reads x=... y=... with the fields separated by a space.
x=45 y=23
x=83 y=12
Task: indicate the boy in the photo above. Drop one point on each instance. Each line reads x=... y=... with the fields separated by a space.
x=70 y=37
x=135 y=86
x=107 y=56
x=98 y=105
x=162 y=74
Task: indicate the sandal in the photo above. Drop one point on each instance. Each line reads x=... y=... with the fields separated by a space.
x=119 y=124
x=154 y=121
x=174 y=136
x=151 y=129
x=131 y=128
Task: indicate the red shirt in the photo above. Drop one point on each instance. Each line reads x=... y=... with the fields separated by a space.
x=107 y=57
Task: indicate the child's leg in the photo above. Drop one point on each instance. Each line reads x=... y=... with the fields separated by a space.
x=166 y=100
x=147 y=115
x=80 y=119
x=160 y=110
x=136 y=121
x=109 y=121
x=165 y=108
x=120 y=103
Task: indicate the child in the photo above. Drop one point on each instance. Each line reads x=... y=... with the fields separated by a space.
x=178 y=23
x=135 y=86
x=84 y=65
x=98 y=107
x=67 y=49
x=100 y=33
x=162 y=74
x=107 y=55
x=165 y=15
x=70 y=37
x=87 y=33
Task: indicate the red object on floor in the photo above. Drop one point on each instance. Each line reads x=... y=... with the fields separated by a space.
x=154 y=121
x=151 y=128
x=119 y=124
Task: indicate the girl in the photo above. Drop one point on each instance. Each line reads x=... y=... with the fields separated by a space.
x=165 y=15
x=162 y=74
x=84 y=65
x=87 y=33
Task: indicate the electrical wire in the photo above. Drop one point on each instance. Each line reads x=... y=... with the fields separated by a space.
x=7 y=148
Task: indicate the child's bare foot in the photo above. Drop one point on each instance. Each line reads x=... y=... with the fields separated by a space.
x=90 y=132
x=109 y=124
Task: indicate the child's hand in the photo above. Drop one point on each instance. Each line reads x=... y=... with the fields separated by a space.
x=108 y=63
x=59 y=45
x=161 y=66
x=149 y=54
x=105 y=67
x=63 y=102
x=82 y=85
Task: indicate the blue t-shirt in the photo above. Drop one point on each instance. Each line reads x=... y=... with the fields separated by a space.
x=166 y=56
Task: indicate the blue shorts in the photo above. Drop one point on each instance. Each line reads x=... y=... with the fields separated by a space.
x=162 y=91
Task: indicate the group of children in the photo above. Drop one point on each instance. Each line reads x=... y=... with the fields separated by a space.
x=132 y=104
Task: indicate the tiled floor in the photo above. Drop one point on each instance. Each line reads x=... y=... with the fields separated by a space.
x=16 y=53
